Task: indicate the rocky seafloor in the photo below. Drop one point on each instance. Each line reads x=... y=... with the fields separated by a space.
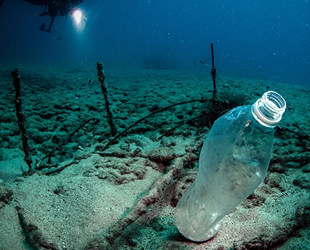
x=84 y=195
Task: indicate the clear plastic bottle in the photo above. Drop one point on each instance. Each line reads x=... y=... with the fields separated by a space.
x=233 y=162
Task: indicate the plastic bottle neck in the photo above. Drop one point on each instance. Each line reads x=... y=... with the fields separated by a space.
x=269 y=108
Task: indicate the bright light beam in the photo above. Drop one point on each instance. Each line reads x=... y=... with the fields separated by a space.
x=77 y=16
x=78 y=19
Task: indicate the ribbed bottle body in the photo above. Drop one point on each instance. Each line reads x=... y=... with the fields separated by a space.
x=233 y=162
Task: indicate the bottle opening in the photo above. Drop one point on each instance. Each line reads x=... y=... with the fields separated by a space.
x=269 y=108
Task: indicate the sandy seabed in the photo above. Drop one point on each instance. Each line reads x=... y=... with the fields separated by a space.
x=124 y=197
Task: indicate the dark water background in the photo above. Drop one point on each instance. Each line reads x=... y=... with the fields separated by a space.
x=266 y=39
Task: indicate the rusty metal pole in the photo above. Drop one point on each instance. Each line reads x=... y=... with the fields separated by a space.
x=104 y=89
x=213 y=74
x=20 y=116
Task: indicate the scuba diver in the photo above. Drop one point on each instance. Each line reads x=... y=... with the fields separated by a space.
x=53 y=8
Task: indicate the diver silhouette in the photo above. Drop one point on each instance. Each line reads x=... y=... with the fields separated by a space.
x=53 y=8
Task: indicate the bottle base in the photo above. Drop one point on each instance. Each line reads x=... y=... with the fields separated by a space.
x=201 y=237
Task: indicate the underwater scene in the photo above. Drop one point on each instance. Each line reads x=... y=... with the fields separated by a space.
x=153 y=124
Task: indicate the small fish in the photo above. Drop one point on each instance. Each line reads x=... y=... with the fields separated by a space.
x=89 y=81
x=203 y=61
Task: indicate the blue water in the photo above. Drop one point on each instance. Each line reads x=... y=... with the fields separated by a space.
x=266 y=39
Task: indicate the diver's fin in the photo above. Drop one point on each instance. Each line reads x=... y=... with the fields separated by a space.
x=44 y=13
x=51 y=24
x=42 y=27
